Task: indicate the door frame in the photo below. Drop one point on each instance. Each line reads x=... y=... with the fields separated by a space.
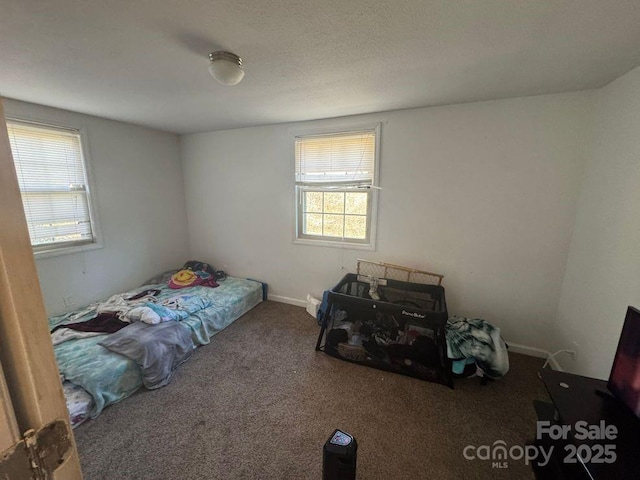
x=33 y=388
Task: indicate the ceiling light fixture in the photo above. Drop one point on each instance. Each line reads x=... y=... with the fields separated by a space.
x=226 y=68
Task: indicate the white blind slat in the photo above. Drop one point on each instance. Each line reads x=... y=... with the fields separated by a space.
x=348 y=157
x=51 y=175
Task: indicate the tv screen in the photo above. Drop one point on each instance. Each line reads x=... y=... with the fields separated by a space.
x=624 y=381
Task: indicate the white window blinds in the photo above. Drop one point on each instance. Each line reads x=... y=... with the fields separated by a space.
x=52 y=179
x=338 y=158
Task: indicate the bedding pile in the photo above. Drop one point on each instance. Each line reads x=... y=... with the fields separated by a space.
x=477 y=339
x=157 y=349
x=122 y=309
x=110 y=349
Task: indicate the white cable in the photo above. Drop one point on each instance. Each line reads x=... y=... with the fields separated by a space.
x=570 y=352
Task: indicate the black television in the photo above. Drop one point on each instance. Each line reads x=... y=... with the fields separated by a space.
x=624 y=380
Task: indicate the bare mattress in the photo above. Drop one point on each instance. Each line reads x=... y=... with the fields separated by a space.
x=99 y=369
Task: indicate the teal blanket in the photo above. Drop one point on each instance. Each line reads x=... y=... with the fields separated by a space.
x=110 y=377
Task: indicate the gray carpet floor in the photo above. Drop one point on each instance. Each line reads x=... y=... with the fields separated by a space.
x=259 y=403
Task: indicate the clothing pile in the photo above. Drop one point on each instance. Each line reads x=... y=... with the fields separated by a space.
x=195 y=273
x=474 y=340
x=123 y=309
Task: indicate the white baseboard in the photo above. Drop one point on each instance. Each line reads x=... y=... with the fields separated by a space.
x=535 y=352
x=287 y=300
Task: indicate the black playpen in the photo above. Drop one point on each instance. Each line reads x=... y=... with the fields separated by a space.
x=387 y=324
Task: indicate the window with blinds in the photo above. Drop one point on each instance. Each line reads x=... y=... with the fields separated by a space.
x=335 y=178
x=53 y=182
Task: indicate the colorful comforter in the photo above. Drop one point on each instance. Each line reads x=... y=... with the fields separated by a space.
x=110 y=377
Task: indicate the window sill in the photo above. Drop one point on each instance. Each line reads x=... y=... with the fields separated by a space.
x=332 y=244
x=55 y=252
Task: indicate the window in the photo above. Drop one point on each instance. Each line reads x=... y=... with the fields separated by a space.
x=52 y=177
x=336 y=187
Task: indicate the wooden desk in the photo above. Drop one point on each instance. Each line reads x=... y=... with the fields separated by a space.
x=576 y=398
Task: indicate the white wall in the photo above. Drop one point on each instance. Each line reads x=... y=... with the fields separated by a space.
x=140 y=198
x=484 y=193
x=603 y=271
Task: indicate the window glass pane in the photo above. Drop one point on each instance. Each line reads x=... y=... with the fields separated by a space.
x=356 y=203
x=332 y=173
x=334 y=202
x=313 y=202
x=355 y=226
x=313 y=224
x=333 y=225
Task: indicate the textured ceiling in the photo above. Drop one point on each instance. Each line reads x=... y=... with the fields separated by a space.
x=145 y=61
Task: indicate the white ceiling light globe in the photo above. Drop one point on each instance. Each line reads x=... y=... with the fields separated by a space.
x=226 y=68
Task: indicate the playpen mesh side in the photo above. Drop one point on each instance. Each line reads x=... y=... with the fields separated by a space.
x=396 y=296
x=382 y=333
x=356 y=289
x=421 y=300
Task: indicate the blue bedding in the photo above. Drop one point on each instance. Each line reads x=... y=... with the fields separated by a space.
x=110 y=377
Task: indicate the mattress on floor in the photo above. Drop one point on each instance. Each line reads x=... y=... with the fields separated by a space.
x=107 y=377
x=79 y=403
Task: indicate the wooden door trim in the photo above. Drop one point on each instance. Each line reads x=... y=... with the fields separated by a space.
x=26 y=351
x=9 y=432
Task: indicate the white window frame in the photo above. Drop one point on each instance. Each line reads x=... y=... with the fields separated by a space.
x=53 y=250
x=372 y=212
